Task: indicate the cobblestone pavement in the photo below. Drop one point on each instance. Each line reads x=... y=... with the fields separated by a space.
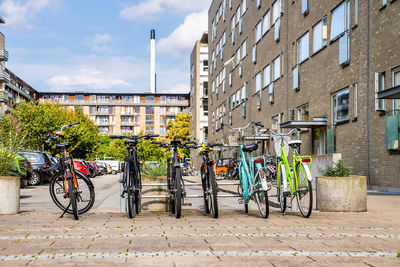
x=106 y=237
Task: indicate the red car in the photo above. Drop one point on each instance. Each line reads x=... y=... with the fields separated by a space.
x=81 y=166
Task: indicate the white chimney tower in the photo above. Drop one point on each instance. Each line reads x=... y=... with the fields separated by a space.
x=153 y=61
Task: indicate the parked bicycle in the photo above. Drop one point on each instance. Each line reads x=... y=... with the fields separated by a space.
x=175 y=183
x=131 y=179
x=70 y=189
x=298 y=175
x=252 y=179
x=209 y=183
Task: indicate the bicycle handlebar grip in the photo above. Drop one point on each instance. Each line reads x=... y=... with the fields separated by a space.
x=220 y=128
x=74 y=124
x=152 y=135
x=259 y=124
x=115 y=137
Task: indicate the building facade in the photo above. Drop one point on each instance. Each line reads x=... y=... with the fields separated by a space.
x=126 y=114
x=199 y=90
x=318 y=65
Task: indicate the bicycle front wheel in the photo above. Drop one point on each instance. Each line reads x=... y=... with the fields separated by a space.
x=131 y=196
x=178 y=193
x=86 y=195
x=205 y=189
x=212 y=192
x=304 y=193
x=261 y=198
x=72 y=198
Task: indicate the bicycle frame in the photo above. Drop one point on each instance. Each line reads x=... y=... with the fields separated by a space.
x=293 y=175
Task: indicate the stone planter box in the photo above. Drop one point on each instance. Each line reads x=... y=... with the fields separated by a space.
x=342 y=193
x=155 y=204
x=9 y=194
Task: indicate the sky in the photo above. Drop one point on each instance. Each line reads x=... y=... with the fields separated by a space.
x=102 y=45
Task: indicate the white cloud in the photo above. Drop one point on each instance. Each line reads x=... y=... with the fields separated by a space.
x=18 y=13
x=181 y=41
x=148 y=9
x=99 y=42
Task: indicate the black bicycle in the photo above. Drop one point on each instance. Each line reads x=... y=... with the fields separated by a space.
x=208 y=181
x=70 y=189
x=132 y=181
x=175 y=183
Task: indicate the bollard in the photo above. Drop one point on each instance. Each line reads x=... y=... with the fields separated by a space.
x=122 y=200
x=9 y=197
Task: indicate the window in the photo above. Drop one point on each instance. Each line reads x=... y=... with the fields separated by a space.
x=162 y=130
x=254 y=54
x=258 y=31
x=302 y=113
x=267 y=75
x=230 y=4
x=355 y=100
x=304 y=6
x=237 y=57
x=271 y=93
x=296 y=78
x=340 y=103
x=384 y=2
x=275 y=123
x=266 y=23
x=344 y=49
x=276 y=64
x=230 y=78
x=303 y=48
x=277 y=30
x=396 y=82
x=78 y=97
x=276 y=11
x=240 y=25
x=320 y=35
x=244 y=50
x=258 y=81
x=291 y=114
x=149 y=120
x=244 y=7
x=340 y=19
x=258 y=3
x=149 y=110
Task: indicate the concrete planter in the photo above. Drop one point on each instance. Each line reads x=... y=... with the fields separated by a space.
x=9 y=194
x=155 y=204
x=342 y=193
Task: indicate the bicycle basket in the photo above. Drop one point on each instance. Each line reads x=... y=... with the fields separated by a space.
x=231 y=137
x=277 y=144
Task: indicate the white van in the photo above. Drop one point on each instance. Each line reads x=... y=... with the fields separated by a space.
x=114 y=165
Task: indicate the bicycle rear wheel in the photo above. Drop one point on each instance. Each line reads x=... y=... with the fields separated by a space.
x=212 y=192
x=304 y=193
x=72 y=198
x=204 y=180
x=178 y=193
x=86 y=195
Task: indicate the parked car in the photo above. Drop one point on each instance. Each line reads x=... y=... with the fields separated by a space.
x=109 y=168
x=41 y=166
x=98 y=169
x=92 y=169
x=103 y=168
x=81 y=166
x=115 y=165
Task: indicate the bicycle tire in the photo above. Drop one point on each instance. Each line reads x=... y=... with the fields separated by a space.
x=259 y=197
x=304 y=193
x=171 y=181
x=205 y=189
x=130 y=193
x=72 y=198
x=86 y=195
x=246 y=208
x=213 y=195
x=178 y=193
x=281 y=199
x=138 y=193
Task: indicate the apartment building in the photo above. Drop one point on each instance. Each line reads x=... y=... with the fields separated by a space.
x=318 y=65
x=122 y=113
x=199 y=90
x=4 y=77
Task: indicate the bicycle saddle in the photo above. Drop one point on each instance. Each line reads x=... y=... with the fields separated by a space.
x=63 y=145
x=250 y=148
x=294 y=143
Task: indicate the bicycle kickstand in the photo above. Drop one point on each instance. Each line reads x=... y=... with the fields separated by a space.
x=65 y=211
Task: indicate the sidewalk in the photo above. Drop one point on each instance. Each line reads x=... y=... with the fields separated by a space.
x=159 y=239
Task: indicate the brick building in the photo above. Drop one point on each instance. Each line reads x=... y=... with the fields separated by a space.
x=314 y=64
x=123 y=113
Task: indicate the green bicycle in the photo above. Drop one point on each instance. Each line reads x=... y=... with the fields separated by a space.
x=297 y=176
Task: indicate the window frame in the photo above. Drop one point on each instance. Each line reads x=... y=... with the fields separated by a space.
x=334 y=106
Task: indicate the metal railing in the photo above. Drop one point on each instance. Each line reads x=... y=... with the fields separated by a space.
x=5 y=77
x=3 y=55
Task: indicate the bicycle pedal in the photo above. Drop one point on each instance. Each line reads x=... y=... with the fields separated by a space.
x=187 y=204
x=241 y=201
x=287 y=194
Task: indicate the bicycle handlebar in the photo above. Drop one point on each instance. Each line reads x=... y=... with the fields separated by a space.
x=256 y=123
x=70 y=125
x=147 y=136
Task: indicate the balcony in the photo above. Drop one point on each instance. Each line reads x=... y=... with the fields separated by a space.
x=127 y=123
x=5 y=77
x=4 y=96
x=3 y=55
x=18 y=90
x=102 y=123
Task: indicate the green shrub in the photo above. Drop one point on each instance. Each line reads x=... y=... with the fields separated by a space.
x=337 y=170
x=155 y=170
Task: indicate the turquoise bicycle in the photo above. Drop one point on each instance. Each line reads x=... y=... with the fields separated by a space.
x=253 y=183
x=294 y=180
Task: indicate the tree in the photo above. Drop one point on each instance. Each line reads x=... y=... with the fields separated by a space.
x=111 y=148
x=180 y=129
x=37 y=120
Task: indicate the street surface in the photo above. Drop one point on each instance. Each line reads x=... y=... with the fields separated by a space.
x=104 y=236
